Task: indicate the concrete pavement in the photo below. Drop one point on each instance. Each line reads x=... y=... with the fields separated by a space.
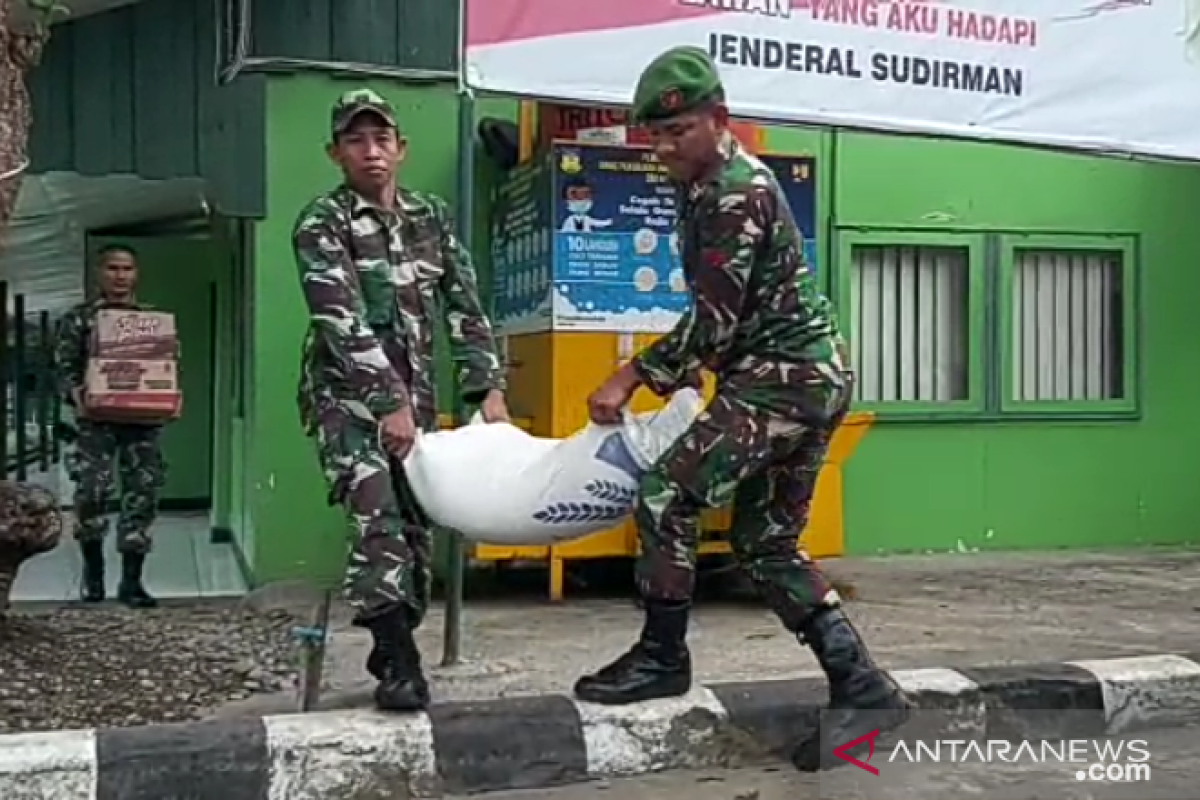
x=915 y=611
x=988 y=640
x=551 y=740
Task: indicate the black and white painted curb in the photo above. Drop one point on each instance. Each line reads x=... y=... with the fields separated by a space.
x=534 y=742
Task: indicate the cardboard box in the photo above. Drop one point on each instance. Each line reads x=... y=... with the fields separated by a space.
x=132 y=390
x=125 y=333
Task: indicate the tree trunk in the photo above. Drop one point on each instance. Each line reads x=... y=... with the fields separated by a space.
x=8 y=576
x=30 y=522
x=20 y=51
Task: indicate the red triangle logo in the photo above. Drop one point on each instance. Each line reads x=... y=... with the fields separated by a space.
x=869 y=738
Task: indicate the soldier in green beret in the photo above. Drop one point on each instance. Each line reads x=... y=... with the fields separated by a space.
x=759 y=323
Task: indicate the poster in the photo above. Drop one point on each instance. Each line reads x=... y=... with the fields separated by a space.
x=521 y=251
x=797 y=176
x=616 y=257
x=1110 y=75
x=584 y=238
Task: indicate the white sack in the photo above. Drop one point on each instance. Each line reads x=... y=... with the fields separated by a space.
x=497 y=484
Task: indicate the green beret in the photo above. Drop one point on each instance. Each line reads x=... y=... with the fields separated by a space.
x=676 y=82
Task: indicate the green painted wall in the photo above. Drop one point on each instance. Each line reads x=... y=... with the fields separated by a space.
x=179 y=275
x=131 y=90
x=231 y=356
x=910 y=486
x=296 y=532
x=1044 y=484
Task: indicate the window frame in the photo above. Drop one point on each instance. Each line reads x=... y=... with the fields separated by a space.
x=1126 y=407
x=845 y=242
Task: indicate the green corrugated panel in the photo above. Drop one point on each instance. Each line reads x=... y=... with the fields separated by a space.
x=165 y=92
x=415 y=34
x=102 y=94
x=295 y=29
x=238 y=183
x=133 y=89
x=428 y=35
x=355 y=31
x=51 y=88
x=234 y=121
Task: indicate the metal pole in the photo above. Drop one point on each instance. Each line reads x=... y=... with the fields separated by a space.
x=45 y=390
x=465 y=202
x=5 y=377
x=20 y=395
x=55 y=419
x=313 y=640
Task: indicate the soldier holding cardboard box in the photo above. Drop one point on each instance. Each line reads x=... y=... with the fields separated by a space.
x=117 y=365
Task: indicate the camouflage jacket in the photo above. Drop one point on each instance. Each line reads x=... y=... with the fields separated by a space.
x=376 y=283
x=73 y=341
x=756 y=308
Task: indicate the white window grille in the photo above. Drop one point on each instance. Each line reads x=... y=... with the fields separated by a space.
x=1067 y=325
x=911 y=333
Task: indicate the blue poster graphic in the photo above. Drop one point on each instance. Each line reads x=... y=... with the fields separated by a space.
x=797 y=175
x=521 y=253
x=584 y=238
x=616 y=252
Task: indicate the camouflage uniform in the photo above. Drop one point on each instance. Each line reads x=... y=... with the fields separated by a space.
x=375 y=281
x=758 y=322
x=104 y=452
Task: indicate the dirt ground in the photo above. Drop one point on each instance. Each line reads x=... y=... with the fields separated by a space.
x=108 y=666
x=914 y=611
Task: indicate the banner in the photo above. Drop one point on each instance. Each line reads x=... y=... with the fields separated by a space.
x=1112 y=75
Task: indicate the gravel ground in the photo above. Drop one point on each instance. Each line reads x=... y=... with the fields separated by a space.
x=110 y=666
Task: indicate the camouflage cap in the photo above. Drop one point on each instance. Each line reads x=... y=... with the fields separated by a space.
x=677 y=81
x=355 y=102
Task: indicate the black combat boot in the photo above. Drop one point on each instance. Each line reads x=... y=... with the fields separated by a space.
x=658 y=666
x=395 y=661
x=131 y=592
x=376 y=659
x=93 y=572
x=862 y=697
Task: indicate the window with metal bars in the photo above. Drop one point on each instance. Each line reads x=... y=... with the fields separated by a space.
x=910 y=305
x=988 y=325
x=1067 y=322
x=1068 y=327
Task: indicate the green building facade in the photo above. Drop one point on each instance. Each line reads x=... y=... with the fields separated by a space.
x=1022 y=320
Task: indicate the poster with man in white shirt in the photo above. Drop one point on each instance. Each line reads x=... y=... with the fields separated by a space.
x=578 y=195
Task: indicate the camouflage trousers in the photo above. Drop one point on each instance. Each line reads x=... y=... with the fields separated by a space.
x=391 y=546
x=104 y=456
x=766 y=464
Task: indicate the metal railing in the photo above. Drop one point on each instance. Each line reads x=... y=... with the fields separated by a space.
x=30 y=407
